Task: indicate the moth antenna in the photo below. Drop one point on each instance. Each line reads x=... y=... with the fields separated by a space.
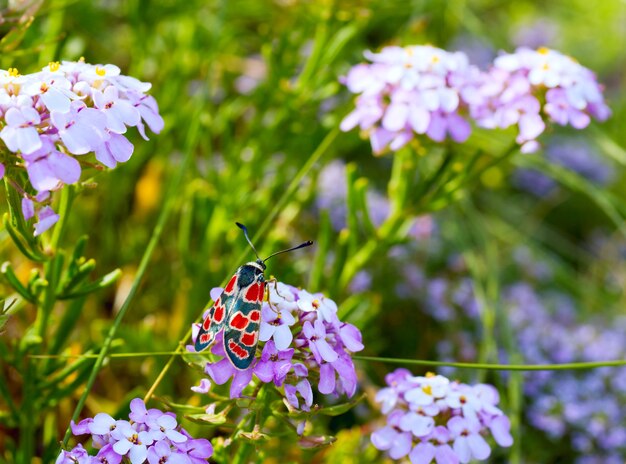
x=302 y=245
x=245 y=233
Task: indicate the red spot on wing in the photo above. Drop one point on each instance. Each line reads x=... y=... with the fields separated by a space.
x=237 y=350
x=255 y=315
x=231 y=284
x=255 y=292
x=218 y=314
x=205 y=338
x=207 y=322
x=239 y=321
x=249 y=339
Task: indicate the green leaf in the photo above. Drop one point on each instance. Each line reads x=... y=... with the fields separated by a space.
x=80 y=273
x=339 y=409
x=99 y=284
x=33 y=255
x=215 y=419
x=255 y=435
x=316 y=441
x=7 y=271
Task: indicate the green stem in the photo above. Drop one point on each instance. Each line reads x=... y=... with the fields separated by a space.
x=497 y=367
x=171 y=196
x=321 y=149
x=52 y=267
x=419 y=362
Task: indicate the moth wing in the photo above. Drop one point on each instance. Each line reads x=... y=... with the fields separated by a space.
x=216 y=318
x=241 y=332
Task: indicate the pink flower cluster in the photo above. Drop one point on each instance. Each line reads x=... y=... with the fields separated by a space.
x=426 y=90
x=302 y=339
x=149 y=435
x=50 y=118
x=512 y=91
x=415 y=89
x=432 y=419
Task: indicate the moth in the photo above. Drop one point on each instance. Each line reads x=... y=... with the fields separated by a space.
x=237 y=311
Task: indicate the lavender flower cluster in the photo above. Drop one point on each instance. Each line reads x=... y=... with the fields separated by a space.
x=427 y=90
x=303 y=340
x=50 y=118
x=432 y=419
x=149 y=435
x=582 y=408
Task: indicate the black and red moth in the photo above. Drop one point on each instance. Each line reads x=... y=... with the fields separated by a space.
x=238 y=310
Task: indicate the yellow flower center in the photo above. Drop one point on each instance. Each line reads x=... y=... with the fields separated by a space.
x=100 y=71
x=54 y=66
x=430 y=375
x=427 y=389
x=13 y=72
x=316 y=303
x=543 y=50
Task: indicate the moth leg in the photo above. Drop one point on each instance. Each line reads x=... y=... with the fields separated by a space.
x=272 y=280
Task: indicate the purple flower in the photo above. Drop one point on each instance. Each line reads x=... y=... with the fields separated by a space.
x=82 y=427
x=468 y=443
x=52 y=89
x=102 y=424
x=316 y=335
x=275 y=324
x=82 y=129
x=149 y=112
x=45 y=219
x=165 y=426
x=131 y=442
x=119 y=112
x=141 y=415
x=510 y=94
x=114 y=149
x=407 y=91
x=325 y=307
x=78 y=455
x=204 y=387
x=274 y=364
x=415 y=405
x=390 y=438
x=162 y=453
x=198 y=450
x=20 y=132
x=304 y=388
x=48 y=168
x=153 y=435
x=107 y=455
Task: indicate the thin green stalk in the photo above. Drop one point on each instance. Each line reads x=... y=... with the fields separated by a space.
x=418 y=362
x=6 y=395
x=52 y=267
x=321 y=149
x=278 y=207
x=497 y=367
x=172 y=195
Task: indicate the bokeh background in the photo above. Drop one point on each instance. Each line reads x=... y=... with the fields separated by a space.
x=523 y=264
